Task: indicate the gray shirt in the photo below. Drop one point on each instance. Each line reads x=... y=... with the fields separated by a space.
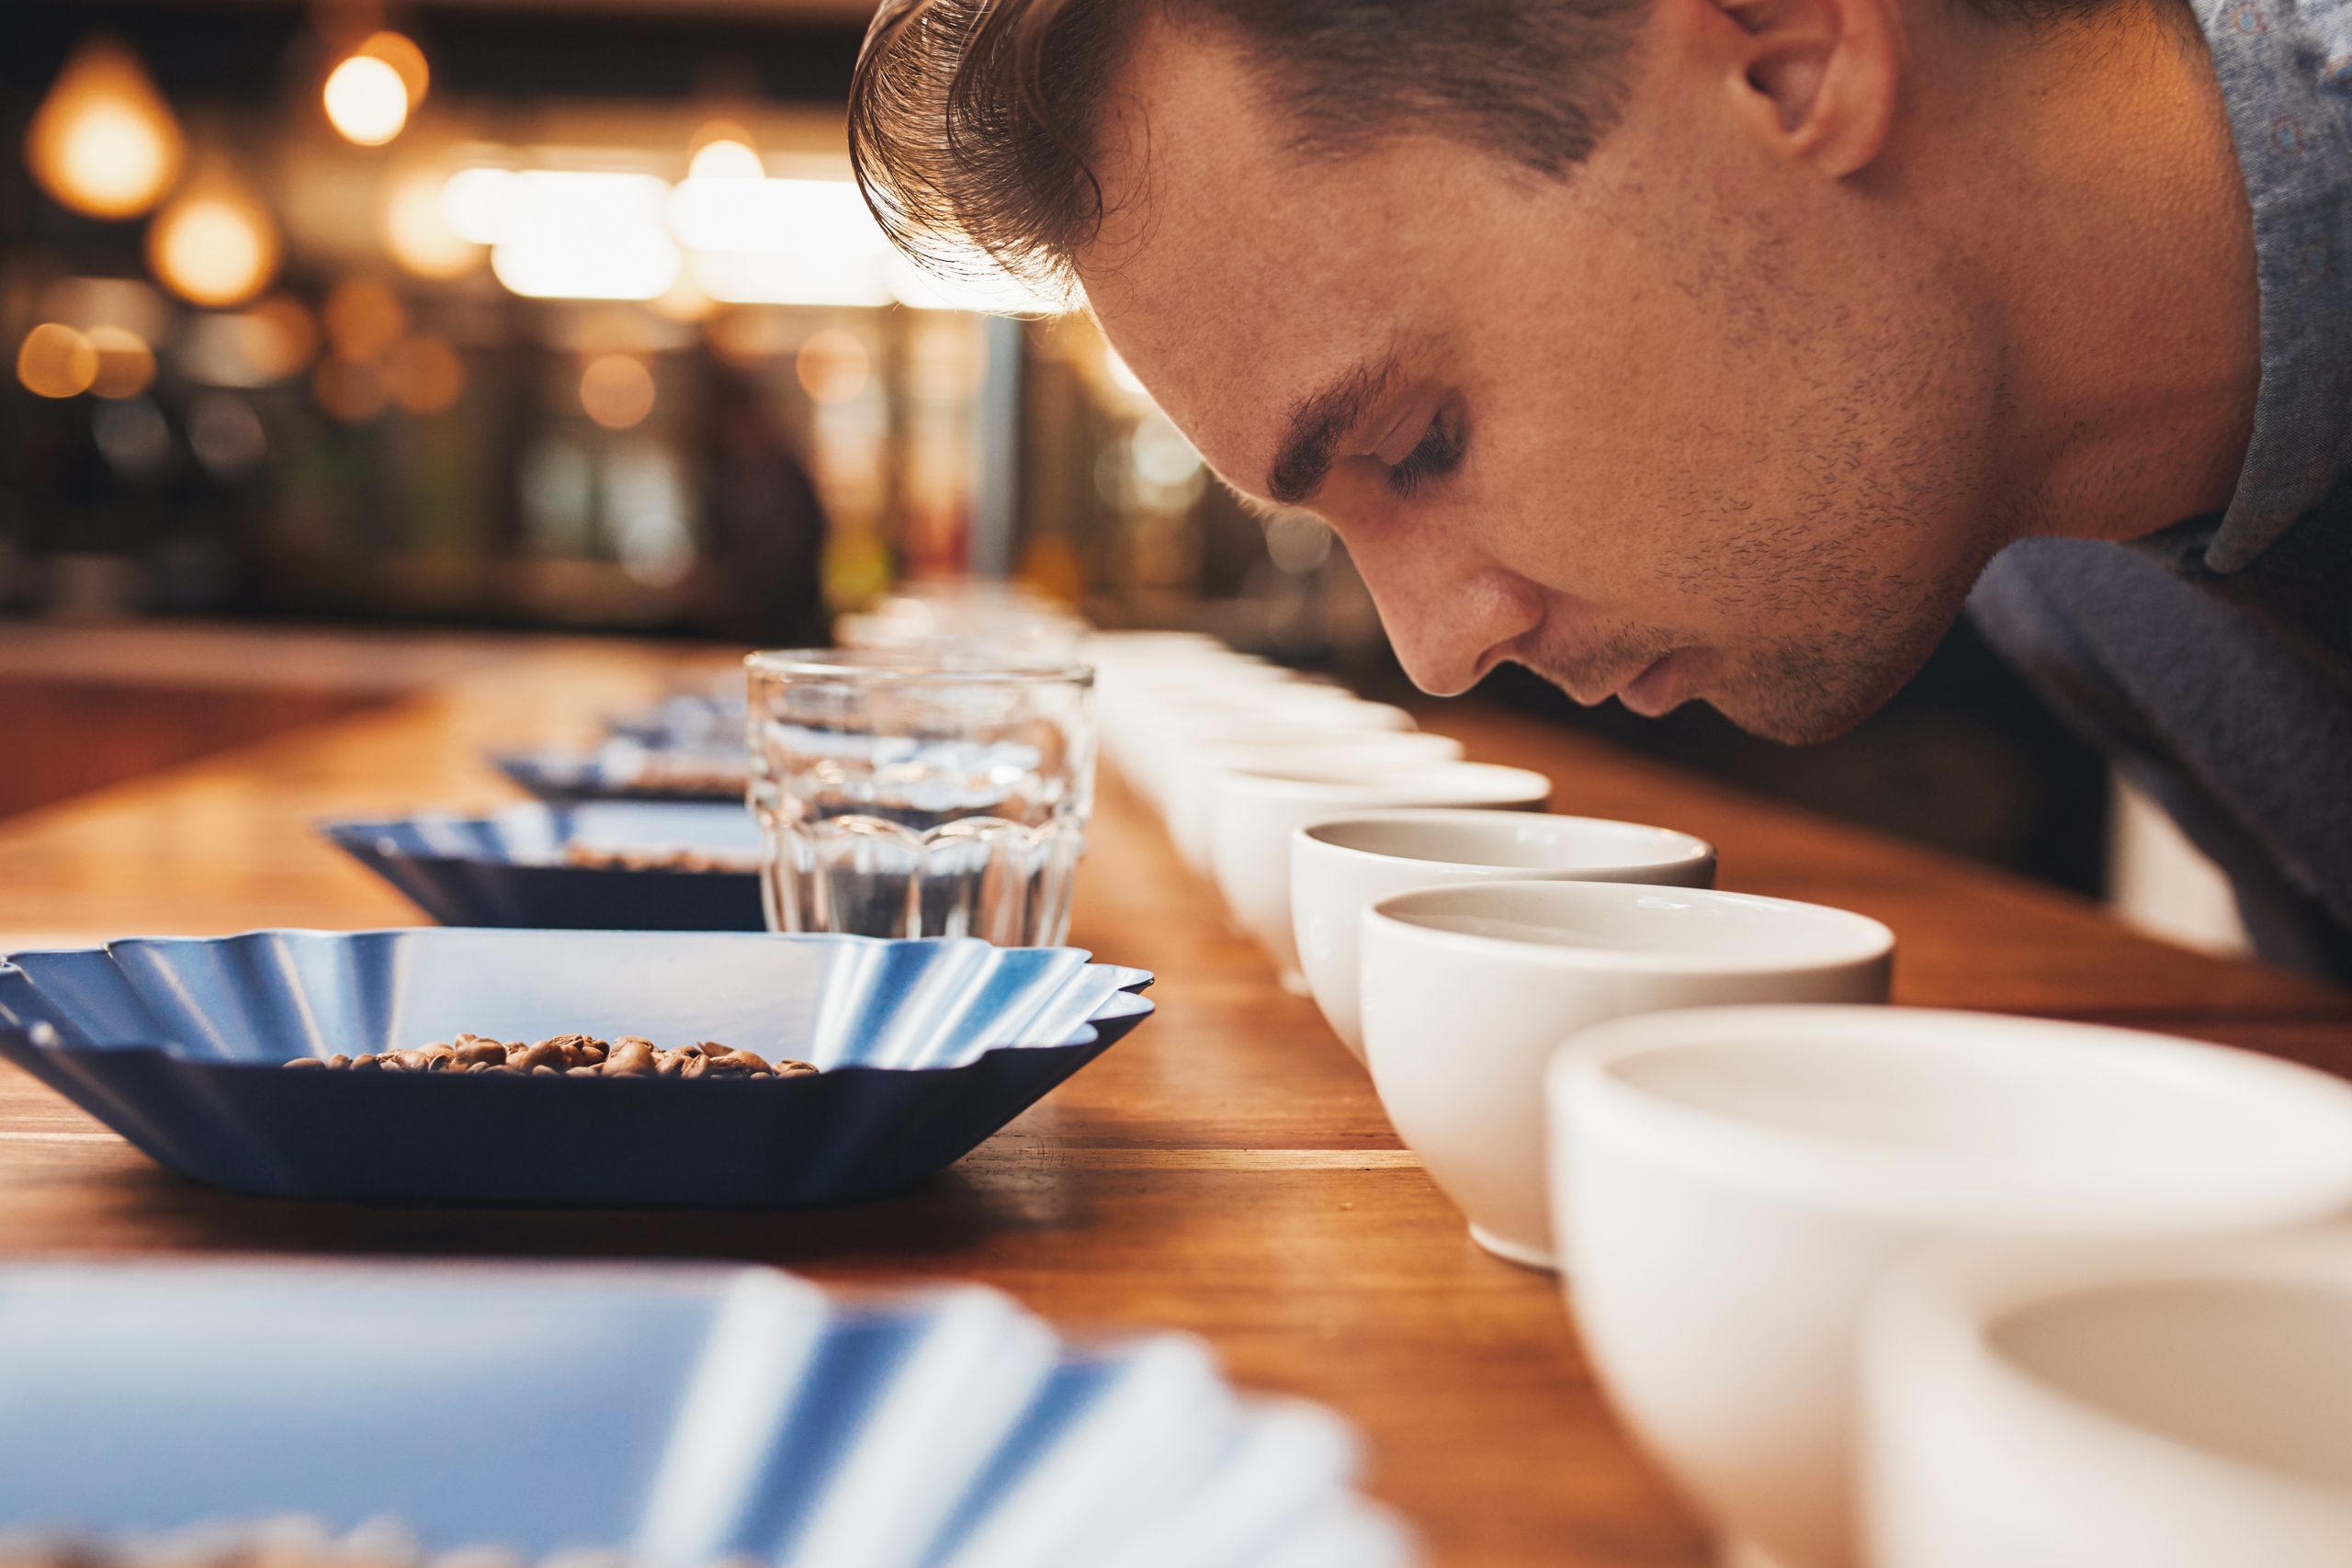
x=2214 y=659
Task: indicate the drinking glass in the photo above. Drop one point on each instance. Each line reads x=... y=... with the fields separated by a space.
x=914 y=795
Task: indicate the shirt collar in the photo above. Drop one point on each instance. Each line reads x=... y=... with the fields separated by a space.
x=2286 y=75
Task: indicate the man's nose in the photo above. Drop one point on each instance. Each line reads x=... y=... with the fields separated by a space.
x=1444 y=615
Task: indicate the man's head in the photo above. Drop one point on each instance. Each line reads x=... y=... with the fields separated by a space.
x=1624 y=339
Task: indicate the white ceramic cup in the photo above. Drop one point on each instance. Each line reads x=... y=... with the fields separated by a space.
x=1155 y=731
x=1729 y=1184
x=1468 y=990
x=2170 y=1406
x=1252 y=814
x=1343 y=865
x=1187 y=800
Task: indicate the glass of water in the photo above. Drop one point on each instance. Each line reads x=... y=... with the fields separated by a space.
x=914 y=795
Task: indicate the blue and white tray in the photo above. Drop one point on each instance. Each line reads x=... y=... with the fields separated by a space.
x=688 y=720
x=617 y=770
x=681 y=1416
x=925 y=1048
x=509 y=868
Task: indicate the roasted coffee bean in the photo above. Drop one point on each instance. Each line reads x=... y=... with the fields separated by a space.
x=570 y=1055
x=630 y=1058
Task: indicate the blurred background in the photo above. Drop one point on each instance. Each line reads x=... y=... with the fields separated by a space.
x=565 y=315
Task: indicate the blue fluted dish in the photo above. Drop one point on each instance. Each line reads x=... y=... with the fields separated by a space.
x=925 y=1049
x=680 y=1415
x=617 y=770
x=692 y=721
x=508 y=868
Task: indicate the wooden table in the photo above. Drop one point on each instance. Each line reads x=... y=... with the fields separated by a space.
x=1226 y=1169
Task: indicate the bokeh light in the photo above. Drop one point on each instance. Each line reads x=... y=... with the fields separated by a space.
x=571 y=235
x=424 y=375
x=214 y=244
x=367 y=102
x=133 y=438
x=364 y=319
x=55 y=361
x=352 y=393
x=616 y=390
x=833 y=365
x=399 y=52
x=724 y=152
x=226 y=436
x=417 y=231
x=126 y=365
x=103 y=142
x=473 y=203
x=279 y=337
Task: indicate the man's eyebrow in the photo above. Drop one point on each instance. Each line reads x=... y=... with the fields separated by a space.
x=1316 y=425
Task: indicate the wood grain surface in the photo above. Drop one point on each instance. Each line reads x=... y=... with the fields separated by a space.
x=1225 y=1169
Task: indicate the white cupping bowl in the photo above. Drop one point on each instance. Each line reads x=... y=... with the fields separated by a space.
x=1343 y=865
x=1253 y=813
x=1469 y=989
x=1729 y=1184
x=1188 y=799
x=2183 y=1405
x=1176 y=728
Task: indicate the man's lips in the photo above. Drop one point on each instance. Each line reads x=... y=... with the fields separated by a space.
x=1653 y=693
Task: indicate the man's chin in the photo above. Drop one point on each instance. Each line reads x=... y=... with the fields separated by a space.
x=1804 y=709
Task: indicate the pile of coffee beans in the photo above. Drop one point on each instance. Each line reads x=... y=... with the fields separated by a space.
x=294 y=1543
x=568 y=1056
x=661 y=774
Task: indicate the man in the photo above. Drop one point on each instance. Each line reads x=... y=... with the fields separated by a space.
x=1712 y=349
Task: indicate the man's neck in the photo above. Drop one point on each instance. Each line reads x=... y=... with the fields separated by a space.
x=2103 y=217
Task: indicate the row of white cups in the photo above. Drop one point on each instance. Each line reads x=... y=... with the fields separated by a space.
x=1875 y=1285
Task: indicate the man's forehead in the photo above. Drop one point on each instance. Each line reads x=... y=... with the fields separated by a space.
x=1235 y=275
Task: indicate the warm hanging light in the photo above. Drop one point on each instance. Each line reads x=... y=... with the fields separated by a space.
x=366 y=101
x=103 y=142
x=214 y=244
x=372 y=90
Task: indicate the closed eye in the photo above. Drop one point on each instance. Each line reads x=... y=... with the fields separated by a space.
x=1435 y=455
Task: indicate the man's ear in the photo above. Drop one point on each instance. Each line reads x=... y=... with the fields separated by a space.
x=1820 y=77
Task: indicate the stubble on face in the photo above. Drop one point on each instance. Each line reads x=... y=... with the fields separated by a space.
x=1841 y=550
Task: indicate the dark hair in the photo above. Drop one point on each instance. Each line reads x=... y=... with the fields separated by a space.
x=971 y=122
